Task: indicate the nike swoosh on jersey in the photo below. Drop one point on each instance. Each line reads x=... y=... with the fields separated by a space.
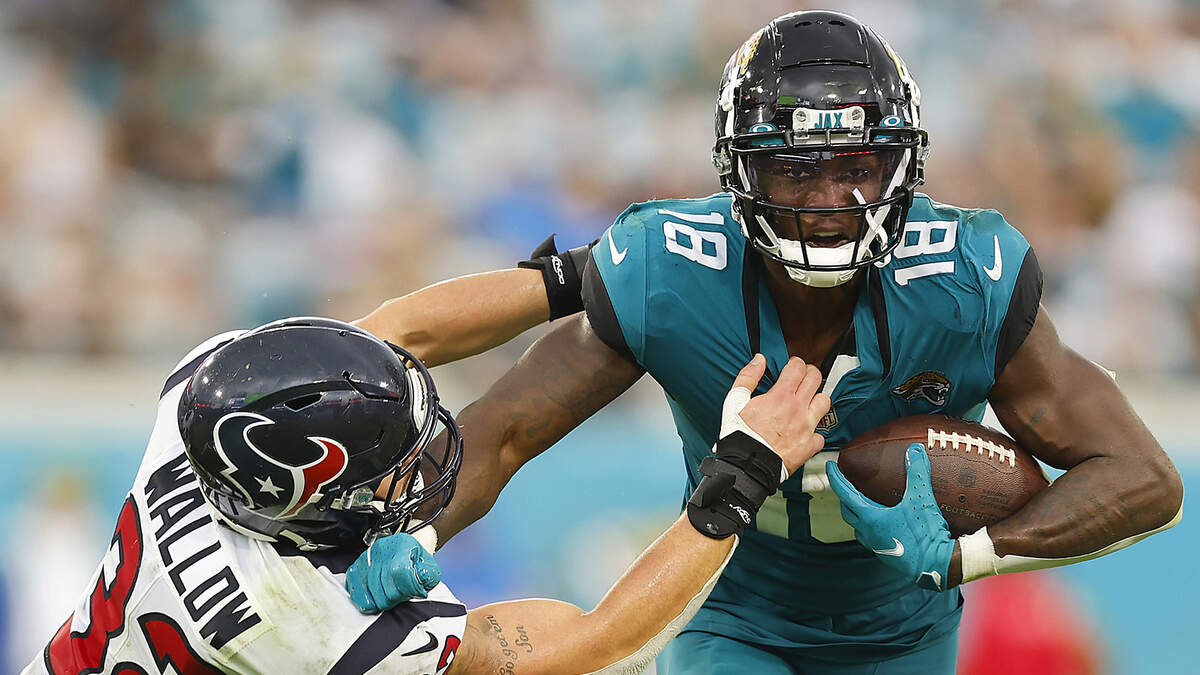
x=427 y=647
x=897 y=550
x=617 y=256
x=997 y=268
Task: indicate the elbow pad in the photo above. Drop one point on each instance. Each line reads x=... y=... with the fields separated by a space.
x=562 y=274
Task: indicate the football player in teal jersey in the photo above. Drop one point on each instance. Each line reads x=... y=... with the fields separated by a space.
x=820 y=247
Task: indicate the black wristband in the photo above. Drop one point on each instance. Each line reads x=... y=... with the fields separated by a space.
x=562 y=274
x=737 y=480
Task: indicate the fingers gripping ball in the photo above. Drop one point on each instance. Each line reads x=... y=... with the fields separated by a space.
x=980 y=476
x=393 y=570
x=912 y=536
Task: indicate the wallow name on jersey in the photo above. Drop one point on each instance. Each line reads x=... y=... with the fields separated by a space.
x=178 y=591
x=209 y=589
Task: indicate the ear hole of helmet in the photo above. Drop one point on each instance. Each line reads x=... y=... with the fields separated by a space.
x=302 y=402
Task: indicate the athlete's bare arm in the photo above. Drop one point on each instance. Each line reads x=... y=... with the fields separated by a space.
x=549 y=636
x=462 y=317
x=563 y=379
x=1070 y=414
x=664 y=586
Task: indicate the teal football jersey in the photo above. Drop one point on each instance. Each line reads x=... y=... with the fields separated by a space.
x=672 y=285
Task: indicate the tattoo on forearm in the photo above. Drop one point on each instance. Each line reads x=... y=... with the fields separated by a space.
x=552 y=390
x=509 y=649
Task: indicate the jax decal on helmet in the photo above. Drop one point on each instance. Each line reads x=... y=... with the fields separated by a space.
x=812 y=99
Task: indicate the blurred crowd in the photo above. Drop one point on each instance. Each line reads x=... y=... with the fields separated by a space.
x=173 y=168
x=167 y=168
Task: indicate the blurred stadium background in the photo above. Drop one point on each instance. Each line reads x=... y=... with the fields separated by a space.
x=170 y=169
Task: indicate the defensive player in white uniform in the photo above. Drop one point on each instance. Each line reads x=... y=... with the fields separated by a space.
x=279 y=453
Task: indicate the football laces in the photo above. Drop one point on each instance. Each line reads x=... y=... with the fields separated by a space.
x=953 y=440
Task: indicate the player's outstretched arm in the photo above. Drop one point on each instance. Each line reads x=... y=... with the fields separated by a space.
x=562 y=379
x=1119 y=486
x=665 y=586
x=461 y=317
x=548 y=636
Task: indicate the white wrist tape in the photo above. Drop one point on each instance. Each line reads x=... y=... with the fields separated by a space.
x=979 y=557
x=639 y=660
x=731 y=421
x=427 y=537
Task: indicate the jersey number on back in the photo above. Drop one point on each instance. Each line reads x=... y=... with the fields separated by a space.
x=699 y=246
x=84 y=652
x=927 y=238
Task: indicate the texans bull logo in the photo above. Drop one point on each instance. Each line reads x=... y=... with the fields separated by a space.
x=266 y=481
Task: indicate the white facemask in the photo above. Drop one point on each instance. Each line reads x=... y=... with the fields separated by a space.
x=796 y=251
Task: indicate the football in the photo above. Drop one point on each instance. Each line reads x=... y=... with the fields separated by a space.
x=979 y=475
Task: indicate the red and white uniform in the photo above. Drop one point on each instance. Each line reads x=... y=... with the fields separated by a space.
x=179 y=593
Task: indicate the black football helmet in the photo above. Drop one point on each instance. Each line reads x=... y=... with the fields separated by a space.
x=293 y=427
x=819 y=141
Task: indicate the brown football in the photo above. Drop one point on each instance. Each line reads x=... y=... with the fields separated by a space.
x=979 y=475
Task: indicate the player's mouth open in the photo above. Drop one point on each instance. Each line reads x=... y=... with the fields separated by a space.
x=826 y=239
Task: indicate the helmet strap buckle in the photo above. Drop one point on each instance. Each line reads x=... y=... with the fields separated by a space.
x=353 y=500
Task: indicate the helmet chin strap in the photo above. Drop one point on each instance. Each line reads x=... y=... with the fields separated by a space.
x=875 y=220
x=875 y=228
x=790 y=249
x=228 y=522
x=819 y=256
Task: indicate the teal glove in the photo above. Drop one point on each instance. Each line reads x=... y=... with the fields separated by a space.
x=912 y=536
x=393 y=570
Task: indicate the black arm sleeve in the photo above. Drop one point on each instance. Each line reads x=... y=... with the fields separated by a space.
x=600 y=312
x=1022 y=311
